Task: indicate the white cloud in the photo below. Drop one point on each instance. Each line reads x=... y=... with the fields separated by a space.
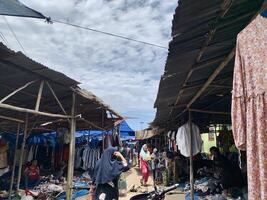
x=124 y=74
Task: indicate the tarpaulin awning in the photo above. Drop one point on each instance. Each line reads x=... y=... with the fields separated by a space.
x=125 y=129
x=16 y=8
x=145 y=134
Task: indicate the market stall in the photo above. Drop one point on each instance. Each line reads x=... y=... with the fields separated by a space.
x=200 y=67
x=35 y=98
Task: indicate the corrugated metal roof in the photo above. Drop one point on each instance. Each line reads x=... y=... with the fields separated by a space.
x=17 y=70
x=204 y=33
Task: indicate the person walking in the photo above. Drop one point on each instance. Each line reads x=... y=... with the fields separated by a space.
x=144 y=164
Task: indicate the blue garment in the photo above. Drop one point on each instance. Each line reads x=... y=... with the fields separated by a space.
x=75 y=194
x=30 y=183
x=264 y=13
x=187 y=196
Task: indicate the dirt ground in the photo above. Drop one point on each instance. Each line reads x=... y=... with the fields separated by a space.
x=133 y=179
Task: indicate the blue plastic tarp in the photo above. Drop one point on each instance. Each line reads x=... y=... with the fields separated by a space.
x=16 y=8
x=126 y=133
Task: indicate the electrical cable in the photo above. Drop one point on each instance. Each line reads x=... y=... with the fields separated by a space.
x=108 y=33
x=14 y=34
x=3 y=38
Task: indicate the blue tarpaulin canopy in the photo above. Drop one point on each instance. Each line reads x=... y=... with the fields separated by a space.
x=15 y=8
x=126 y=133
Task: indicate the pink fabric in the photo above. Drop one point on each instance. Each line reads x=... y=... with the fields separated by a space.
x=144 y=169
x=249 y=104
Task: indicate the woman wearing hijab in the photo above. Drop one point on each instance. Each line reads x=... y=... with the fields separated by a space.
x=106 y=176
x=144 y=164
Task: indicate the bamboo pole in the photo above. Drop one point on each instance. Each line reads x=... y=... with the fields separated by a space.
x=55 y=96
x=26 y=110
x=16 y=91
x=14 y=163
x=11 y=119
x=40 y=92
x=72 y=150
x=103 y=136
x=22 y=149
x=92 y=124
x=191 y=158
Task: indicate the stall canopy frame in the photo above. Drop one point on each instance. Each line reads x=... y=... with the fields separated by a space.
x=32 y=95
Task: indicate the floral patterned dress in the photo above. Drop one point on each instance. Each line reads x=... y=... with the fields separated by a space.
x=249 y=104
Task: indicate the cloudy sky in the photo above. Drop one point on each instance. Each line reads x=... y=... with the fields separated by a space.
x=124 y=74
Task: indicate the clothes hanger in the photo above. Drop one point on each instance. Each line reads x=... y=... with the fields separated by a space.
x=264 y=13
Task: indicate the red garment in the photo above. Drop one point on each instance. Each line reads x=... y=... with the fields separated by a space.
x=32 y=172
x=144 y=169
x=66 y=152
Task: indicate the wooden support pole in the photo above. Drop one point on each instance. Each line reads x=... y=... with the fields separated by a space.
x=191 y=158
x=26 y=110
x=55 y=96
x=22 y=149
x=14 y=163
x=103 y=136
x=11 y=119
x=40 y=92
x=16 y=91
x=72 y=149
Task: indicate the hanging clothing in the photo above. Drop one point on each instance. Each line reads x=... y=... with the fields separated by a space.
x=183 y=142
x=173 y=141
x=90 y=158
x=31 y=154
x=249 y=103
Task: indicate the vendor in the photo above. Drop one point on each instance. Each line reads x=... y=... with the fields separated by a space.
x=32 y=175
x=231 y=175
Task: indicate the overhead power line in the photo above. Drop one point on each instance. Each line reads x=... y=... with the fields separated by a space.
x=3 y=38
x=14 y=34
x=109 y=34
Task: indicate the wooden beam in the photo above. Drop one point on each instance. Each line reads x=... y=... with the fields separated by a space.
x=210 y=112
x=191 y=171
x=11 y=119
x=55 y=96
x=16 y=91
x=14 y=163
x=40 y=92
x=221 y=86
x=212 y=77
x=26 y=110
x=226 y=5
x=92 y=124
x=72 y=149
x=177 y=106
x=25 y=135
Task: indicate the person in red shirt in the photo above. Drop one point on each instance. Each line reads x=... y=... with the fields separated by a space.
x=32 y=175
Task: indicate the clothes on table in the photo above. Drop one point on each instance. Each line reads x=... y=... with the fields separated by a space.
x=182 y=139
x=249 y=103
